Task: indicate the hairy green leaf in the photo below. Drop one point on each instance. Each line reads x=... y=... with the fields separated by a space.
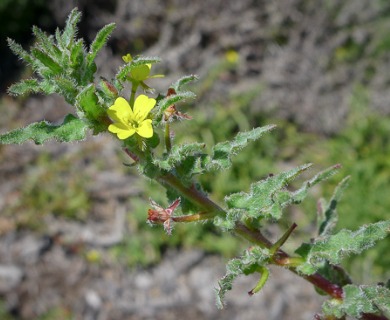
x=71 y=129
x=327 y=214
x=46 y=43
x=77 y=54
x=19 y=51
x=333 y=248
x=66 y=87
x=178 y=154
x=70 y=29
x=251 y=261
x=283 y=198
x=228 y=222
x=58 y=38
x=24 y=87
x=223 y=151
x=100 y=41
x=266 y=197
x=178 y=85
x=163 y=104
x=88 y=103
x=374 y=299
x=47 y=61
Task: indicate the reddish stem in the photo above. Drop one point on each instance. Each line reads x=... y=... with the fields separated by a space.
x=370 y=316
x=280 y=257
x=254 y=236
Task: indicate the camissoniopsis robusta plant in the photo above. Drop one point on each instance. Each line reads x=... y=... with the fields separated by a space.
x=142 y=123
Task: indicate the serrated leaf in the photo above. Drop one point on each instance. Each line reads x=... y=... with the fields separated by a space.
x=223 y=151
x=178 y=85
x=264 y=194
x=328 y=214
x=357 y=300
x=178 y=154
x=72 y=129
x=333 y=248
x=99 y=41
x=283 y=198
x=251 y=261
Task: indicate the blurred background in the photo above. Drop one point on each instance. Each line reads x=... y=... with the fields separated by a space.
x=73 y=239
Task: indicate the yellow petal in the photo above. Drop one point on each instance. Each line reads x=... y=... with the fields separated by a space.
x=120 y=110
x=113 y=115
x=127 y=58
x=121 y=130
x=142 y=107
x=140 y=73
x=145 y=129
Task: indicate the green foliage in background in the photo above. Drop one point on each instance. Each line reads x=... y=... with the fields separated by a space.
x=365 y=148
x=145 y=246
x=362 y=148
x=52 y=187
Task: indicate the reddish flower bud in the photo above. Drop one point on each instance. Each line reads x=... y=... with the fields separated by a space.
x=160 y=215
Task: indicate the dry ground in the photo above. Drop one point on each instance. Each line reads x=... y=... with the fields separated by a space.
x=287 y=52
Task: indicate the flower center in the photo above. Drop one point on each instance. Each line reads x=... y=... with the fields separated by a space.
x=132 y=123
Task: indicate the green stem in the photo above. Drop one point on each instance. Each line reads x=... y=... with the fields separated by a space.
x=264 y=274
x=167 y=137
x=134 y=88
x=275 y=247
x=211 y=209
x=192 y=217
x=280 y=258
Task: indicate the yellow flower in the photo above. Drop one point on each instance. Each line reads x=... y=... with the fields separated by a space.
x=232 y=56
x=140 y=73
x=128 y=121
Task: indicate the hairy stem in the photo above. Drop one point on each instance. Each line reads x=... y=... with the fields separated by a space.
x=210 y=210
x=191 y=193
x=167 y=137
x=134 y=88
x=280 y=258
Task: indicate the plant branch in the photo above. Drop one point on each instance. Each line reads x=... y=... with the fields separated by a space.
x=280 y=258
x=254 y=236
x=192 y=194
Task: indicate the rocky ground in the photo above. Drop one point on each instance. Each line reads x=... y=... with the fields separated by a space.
x=48 y=269
x=290 y=51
